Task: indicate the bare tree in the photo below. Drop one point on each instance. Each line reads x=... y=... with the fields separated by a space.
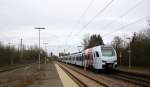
x=117 y=41
x=93 y=40
x=86 y=41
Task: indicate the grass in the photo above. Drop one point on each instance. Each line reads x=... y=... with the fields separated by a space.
x=135 y=69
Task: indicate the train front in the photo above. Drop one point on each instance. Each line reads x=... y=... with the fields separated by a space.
x=109 y=57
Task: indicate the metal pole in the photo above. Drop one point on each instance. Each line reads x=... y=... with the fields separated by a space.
x=129 y=56
x=21 y=50
x=39 y=51
x=45 y=51
x=39 y=47
x=129 y=51
x=120 y=55
x=9 y=52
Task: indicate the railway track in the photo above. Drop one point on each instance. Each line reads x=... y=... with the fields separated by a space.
x=12 y=68
x=130 y=77
x=116 y=79
x=83 y=80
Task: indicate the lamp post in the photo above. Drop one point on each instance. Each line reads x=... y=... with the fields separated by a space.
x=45 y=51
x=39 y=28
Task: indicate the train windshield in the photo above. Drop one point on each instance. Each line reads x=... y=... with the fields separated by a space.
x=107 y=51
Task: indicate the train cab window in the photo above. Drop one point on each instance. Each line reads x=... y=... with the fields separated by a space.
x=97 y=54
x=79 y=58
x=107 y=51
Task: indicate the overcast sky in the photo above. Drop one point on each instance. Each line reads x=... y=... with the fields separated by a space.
x=62 y=20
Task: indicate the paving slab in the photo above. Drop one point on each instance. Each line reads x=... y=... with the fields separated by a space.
x=51 y=77
x=66 y=80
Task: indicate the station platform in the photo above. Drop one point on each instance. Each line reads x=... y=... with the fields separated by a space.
x=57 y=77
x=52 y=77
x=65 y=79
x=31 y=76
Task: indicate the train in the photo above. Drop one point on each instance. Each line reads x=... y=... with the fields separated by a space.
x=98 y=58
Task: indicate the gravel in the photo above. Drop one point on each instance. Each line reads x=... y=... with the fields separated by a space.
x=31 y=76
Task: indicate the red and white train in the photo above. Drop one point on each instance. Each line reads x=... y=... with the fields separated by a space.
x=98 y=57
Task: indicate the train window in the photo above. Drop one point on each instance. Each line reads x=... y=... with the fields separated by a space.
x=79 y=58
x=97 y=54
x=107 y=51
x=86 y=57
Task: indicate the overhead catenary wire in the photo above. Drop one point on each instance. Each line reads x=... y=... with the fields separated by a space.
x=82 y=15
x=124 y=14
x=132 y=8
x=86 y=10
x=79 y=20
x=120 y=28
x=99 y=12
x=124 y=26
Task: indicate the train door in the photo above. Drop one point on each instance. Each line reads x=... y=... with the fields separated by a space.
x=97 y=59
x=82 y=58
x=85 y=58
